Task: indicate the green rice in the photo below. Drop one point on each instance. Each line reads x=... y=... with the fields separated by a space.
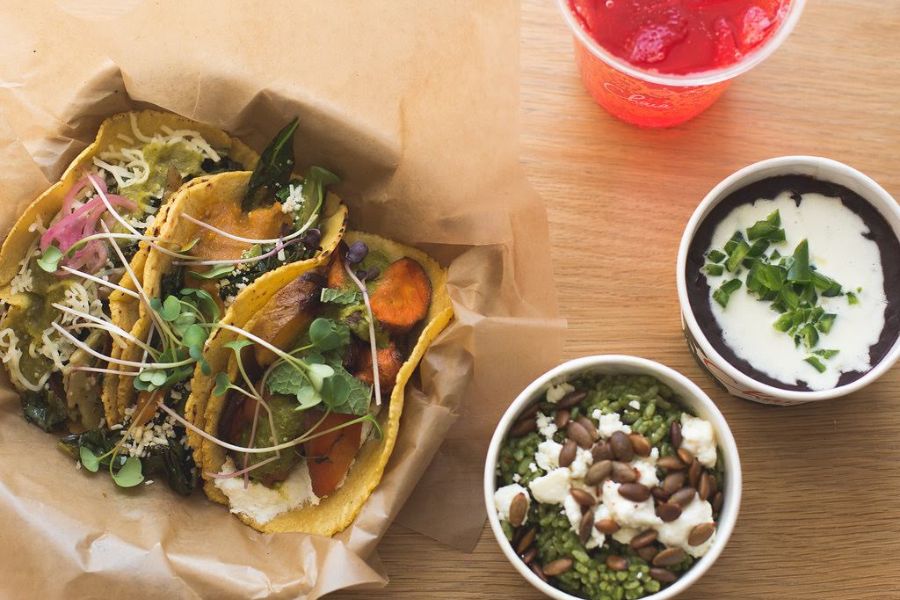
x=590 y=577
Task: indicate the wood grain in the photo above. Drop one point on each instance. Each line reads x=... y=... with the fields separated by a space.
x=820 y=517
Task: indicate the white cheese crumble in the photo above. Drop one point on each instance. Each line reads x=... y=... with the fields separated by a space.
x=635 y=405
x=699 y=439
x=294 y=202
x=646 y=467
x=609 y=424
x=503 y=498
x=139 y=440
x=639 y=515
x=553 y=487
x=545 y=425
x=262 y=503
x=575 y=514
x=583 y=460
x=676 y=533
x=547 y=455
x=557 y=392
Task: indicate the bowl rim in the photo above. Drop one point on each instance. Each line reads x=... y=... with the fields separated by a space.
x=696 y=398
x=821 y=168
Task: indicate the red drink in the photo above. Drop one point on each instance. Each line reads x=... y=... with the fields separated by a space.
x=679 y=36
x=661 y=62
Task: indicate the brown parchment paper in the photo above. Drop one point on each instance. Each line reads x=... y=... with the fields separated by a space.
x=414 y=104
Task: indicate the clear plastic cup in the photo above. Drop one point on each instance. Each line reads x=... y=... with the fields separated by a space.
x=651 y=99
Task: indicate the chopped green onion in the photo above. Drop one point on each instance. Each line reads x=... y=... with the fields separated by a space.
x=809 y=335
x=826 y=354
x=825 y=322
x=816 y=363
x=799 y=271
x=725 y=290
x=758 y=248
x=784 y=322
x=715 y=256
x=713 y=269
x=851 y=298
x=737 y=255
x=768 y=229
x=828 y=286
x=731 y=244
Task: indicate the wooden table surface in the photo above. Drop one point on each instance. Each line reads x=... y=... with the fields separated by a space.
x=820 y=516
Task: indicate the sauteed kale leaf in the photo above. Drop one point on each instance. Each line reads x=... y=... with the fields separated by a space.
x=274 y=168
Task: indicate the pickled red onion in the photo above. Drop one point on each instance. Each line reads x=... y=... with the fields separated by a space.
x=80 y=223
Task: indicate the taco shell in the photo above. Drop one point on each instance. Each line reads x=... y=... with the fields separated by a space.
x=337 y=511
x=122 y=309
x=199 y=197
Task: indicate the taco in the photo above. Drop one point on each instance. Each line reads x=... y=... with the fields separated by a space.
x=224 y=236
x=295 y=427
x=57 y=266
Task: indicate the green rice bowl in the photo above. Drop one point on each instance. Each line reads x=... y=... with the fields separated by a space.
x=609 y=487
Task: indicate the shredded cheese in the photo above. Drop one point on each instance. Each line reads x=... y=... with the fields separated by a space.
x=129 y=167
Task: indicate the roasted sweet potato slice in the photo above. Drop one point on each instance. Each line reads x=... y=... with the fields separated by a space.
x=389 y=362
x=329 y=456
x=402 y=295
x=145 y=409
x=286 y=315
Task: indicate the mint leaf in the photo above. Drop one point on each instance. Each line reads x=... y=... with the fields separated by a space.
x=345 y=394
x=327 y=335
x=336 y=296
x=286 y=379
x=49 y=260
x=289 y=380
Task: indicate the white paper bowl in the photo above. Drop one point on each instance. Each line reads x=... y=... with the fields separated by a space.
x=736 y=382
x=692 y=397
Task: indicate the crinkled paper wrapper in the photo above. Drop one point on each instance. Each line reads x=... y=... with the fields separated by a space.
x=415 y=105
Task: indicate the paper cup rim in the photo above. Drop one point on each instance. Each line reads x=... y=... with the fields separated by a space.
x=823 y=168
x=693 y=397
x=703 y=78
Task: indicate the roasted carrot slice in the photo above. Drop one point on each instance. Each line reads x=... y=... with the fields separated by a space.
x=402 y=296
x=337 y=276
x=286 y=315
x=389 y=362
x=329 y=456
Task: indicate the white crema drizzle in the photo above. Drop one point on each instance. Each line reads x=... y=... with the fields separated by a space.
x=837 y=249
